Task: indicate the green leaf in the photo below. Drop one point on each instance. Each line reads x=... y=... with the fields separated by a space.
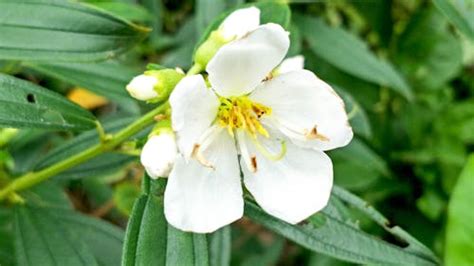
x=186 y=248
x=350 y=54
x=24 y=104
x=150 y=240
x=337 y=238
x=129 y=11
x=429 y=60
x=145 y=240
x=274 y=12
x=40 y=239
x=220 y=246
x=6 y=237
x=460 y=229
x=55 y=30
x=103 y=239
x=458 y=14
x=414 y=246
x=357 y=166
x=108 y=79
x=106 y=163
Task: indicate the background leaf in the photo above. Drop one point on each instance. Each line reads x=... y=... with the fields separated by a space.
x=108 y=79
x=62 y=31
x=457 y=12
x=350 y=54
x=220 y=247
x=460 y=229
x=150 y=240
x=336 y=238
x=24 y=104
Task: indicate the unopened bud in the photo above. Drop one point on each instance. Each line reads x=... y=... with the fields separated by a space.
x=236 y=25
x=154 y=85
x=159 y=153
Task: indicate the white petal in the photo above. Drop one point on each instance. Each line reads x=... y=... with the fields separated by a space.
x=238 y=67
x=203 y=199
x=240 y=22
x=158 y=155
x=294 y=187
x=142 y=87
x=291 y=64
x=302 y=104
x=194 y=108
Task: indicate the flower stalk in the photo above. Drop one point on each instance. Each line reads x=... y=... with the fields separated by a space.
x=107 y=144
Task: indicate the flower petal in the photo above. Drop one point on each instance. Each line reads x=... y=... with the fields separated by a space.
x=142 y=87
x=291 y=64
x=238 y=67
x=240 y=22
x=306 y=109
x=294 y=187
x=203 y=199
x=194 y=108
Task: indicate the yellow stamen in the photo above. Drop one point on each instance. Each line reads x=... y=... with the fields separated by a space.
x=241 y=113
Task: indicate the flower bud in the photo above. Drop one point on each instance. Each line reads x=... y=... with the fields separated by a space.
x=159 y=153
x=154 y=85
x=236 y=25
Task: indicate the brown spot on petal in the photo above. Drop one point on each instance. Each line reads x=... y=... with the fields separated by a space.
x=253 y=161
x=314 y=134
x=268 y=77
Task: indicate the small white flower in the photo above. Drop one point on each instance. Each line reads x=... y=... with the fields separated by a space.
x=240 y=22
x=291 y=64
x=142 y=87
x=158 y=154
x=279 y=126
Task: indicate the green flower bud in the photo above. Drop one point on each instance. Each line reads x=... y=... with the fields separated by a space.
x=209 y=48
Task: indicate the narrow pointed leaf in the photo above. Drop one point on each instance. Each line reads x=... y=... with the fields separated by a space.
x=220 y=245
x=336 y=238
x=24 y=104
x=107 y=79
x=55 y=30
x=150 y=240
x=350 y=54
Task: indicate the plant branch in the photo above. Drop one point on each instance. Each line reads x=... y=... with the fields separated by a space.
x=30 y=179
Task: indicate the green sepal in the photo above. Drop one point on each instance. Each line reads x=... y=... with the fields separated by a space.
x=167 y=80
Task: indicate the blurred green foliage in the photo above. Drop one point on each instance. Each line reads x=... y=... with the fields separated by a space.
x=405 y=69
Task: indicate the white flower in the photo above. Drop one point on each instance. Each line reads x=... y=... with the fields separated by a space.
x=279 y=126
x=158 y=154
x=240 y=22
x=142 y=87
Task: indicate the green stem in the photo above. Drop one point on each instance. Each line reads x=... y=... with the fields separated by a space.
x=30 y=179
x=195 y=69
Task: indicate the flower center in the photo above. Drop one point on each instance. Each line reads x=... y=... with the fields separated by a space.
x=241 y=113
